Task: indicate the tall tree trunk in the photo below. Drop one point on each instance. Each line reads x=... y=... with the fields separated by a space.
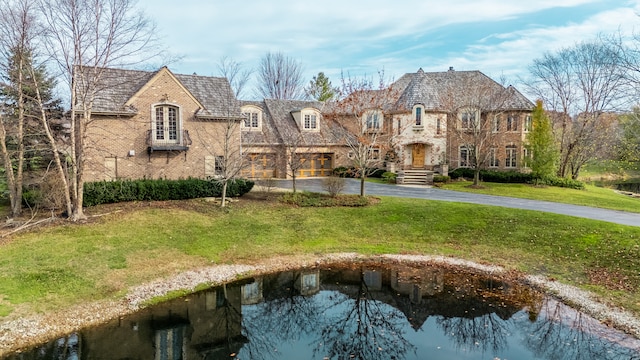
x=224 y=193
x=293 y=181
x=8 y=166
x=362 y=179
x=54 y=146
x=16 y=207
x=476 y=176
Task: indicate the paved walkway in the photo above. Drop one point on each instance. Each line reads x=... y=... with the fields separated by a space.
x=424 y=192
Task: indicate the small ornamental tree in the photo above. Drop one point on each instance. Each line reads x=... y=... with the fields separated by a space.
x=542 y=146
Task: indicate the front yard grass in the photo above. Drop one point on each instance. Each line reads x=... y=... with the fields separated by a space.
x=59 y=266
x=591 y=196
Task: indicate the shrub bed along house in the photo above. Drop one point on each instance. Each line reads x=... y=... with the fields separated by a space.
x=105 y=192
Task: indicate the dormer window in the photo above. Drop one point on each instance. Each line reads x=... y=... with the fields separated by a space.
x=307 y=119
x=310 y=121
x=252 y=118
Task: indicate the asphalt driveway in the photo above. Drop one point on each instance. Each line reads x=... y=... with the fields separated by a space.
x=430 y=193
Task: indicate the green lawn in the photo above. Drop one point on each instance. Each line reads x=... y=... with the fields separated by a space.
x=590 y=196
x=60 y=266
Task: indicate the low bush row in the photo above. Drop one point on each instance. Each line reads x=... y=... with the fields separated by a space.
x=352 y=172
x=105 y=192
x=310 y=199
x=516 y=177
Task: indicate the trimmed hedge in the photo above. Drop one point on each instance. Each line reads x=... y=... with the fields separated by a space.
x=516 y=178
x=106 y=192
x=493 y=176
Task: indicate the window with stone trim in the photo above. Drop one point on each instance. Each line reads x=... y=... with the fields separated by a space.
x=511 y=156
x=528 y=123
x=373 y=120
x=466 y=156
x=166 y=124
x=493 y=157
x=418 y=111
x=512 y=123
x=310 y=121
x=252 y=118
x=469 y=119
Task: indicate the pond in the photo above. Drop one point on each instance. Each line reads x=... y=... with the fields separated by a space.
x=630 y=186
x=357 y=311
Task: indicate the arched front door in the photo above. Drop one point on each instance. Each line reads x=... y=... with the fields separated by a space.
x=417 y=156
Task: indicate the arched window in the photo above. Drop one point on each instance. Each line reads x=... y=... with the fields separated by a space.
x=167 y=125
x=252 y=118
x=418 y=111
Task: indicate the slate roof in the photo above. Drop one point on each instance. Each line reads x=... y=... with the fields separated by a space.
x=268 y=135
x=428 y=89
x=117 y=86
x=280 y=127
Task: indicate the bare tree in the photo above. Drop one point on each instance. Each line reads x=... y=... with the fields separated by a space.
x=85 y=37
x=474 y=105
x=228 y=158
x=235 y=74
x=293 y=150
x=361 y=111
x=579 y=85
x=280 y=77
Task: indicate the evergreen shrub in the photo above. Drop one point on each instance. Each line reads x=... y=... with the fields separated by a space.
x=106 y=192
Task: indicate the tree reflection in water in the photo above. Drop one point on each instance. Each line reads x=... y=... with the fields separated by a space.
x=357 y=311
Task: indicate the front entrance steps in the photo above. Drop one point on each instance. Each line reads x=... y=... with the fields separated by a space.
x=415 y=177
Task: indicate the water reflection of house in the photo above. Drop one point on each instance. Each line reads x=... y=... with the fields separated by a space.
x=408 y=281
x=308 y=283
x=252 y=292
x=206 y=326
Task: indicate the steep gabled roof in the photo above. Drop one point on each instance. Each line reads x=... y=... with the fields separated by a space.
x=118 y=88
x=431 y=88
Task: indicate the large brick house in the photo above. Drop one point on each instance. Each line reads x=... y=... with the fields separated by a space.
x=441 y=118
x=163 y=125
x=159 y=125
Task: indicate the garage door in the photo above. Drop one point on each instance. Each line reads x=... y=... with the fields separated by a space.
x=260 y=166
x=316 y=165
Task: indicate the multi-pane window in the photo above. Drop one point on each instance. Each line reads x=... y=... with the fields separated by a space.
x=373 y=120
x=528 y=124
x=493 y=157
x=511 y=156
x=310 y=121
x=251 y=120
x=495 y=124
x=466 y=156
x=219 y=169
x=512 y=123
x=467 y=120
x=166 y=124
x=438 y=126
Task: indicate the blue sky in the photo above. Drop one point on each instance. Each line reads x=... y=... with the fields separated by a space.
x=497 y=37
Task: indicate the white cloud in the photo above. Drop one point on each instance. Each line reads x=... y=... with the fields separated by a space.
x=340 y=34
